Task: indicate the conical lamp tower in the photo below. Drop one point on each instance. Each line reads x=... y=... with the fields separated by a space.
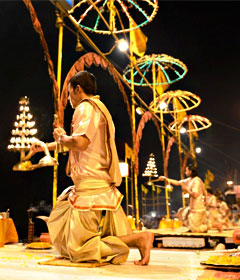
x=24 y=131
x=151 y=169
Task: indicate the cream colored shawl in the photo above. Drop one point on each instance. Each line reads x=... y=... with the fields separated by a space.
x=114 y=170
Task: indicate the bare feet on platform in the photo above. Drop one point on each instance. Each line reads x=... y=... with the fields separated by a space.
x=143 y=241
x=144 y=244
x=219 y=227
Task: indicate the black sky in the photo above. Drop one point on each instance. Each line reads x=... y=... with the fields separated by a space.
x=204 y=35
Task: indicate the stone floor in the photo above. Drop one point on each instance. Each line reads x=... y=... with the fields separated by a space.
x=19 y=263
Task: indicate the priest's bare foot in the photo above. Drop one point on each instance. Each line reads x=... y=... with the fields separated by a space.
x=144 y=244
x=143 y=241
x=219 y=227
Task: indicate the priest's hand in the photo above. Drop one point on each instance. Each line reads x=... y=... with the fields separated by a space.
x=35 y=148
x=162 y=178
x=57 y=132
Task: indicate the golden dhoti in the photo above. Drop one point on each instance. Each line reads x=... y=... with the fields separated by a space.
x=213 y=217
x=197 y=221
x=77 y=229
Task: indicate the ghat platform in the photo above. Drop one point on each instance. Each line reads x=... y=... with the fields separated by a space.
x=182 y=238
x=19 y=263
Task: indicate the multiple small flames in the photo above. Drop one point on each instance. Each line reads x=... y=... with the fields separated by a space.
x=22 y=134
x=23 y=137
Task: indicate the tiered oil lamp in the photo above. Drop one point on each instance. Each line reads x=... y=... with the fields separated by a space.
x=151 y=169
x=22 y=134
x=22 y=139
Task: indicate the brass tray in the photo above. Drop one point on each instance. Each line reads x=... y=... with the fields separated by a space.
x=221 y=266
x=39 y=246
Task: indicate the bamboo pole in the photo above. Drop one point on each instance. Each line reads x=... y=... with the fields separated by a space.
x=191 y=145
x=178 y=137
x=135 y=179
x=126 y=184
x=59 y=72
x=162 y=136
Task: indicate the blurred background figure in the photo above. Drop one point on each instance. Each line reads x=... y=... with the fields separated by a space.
x=224 y=212
x=212 y=211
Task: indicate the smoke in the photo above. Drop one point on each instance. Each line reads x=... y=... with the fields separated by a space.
x=42 y=207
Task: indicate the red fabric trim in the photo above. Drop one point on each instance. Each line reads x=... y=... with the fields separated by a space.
x=95 y=206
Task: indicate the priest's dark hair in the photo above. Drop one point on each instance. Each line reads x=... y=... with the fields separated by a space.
x=86 y=80
x=193 y=168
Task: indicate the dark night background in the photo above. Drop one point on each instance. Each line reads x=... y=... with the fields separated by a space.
x=204 y=35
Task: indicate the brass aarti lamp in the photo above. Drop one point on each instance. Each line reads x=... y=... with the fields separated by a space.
x=26 y=165
x=22 y=139
x=151 y=169
x=24 y=131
